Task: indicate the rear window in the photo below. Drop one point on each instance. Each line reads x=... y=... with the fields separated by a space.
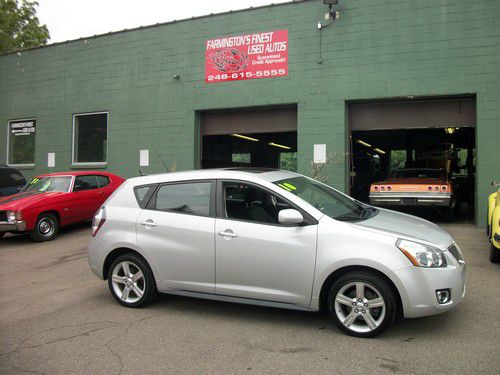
x=103 y=181
x=419 y=173
x=188 y=198
x=143 y=193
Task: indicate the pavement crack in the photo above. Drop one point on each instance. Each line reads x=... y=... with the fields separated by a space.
x=22 y=345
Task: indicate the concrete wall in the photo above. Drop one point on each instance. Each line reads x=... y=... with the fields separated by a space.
x=377 y=49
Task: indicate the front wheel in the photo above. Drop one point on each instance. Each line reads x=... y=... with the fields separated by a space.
x=131 y=281
x=46 y=228
x=362 y=304
x=494 y=254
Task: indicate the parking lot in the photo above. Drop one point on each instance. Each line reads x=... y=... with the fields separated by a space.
x=58 y=318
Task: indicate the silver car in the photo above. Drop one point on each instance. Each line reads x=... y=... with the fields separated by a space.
x=273 y=238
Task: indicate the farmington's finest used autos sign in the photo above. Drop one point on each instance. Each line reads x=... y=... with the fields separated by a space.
x=260 y=55
x=24 y=127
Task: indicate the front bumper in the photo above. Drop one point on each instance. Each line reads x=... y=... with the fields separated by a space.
x=15 y=226
x=421 y=284
x=411 y=199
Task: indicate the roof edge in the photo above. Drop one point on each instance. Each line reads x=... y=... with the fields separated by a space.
x=160 y=24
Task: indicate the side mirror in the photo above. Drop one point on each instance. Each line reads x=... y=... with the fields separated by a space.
x=290 y=216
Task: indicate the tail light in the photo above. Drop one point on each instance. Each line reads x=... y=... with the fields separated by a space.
x=436 y=188
x=389 y=188
x=98 y=220
x=443 y=188
x=375 y=187
x=429 y=188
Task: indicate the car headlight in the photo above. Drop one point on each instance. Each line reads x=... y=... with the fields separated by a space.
x=422 y=255
x=13 y=216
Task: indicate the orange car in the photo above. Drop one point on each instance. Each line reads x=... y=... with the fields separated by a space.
x=414 y=187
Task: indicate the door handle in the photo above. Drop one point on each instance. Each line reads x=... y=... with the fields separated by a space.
x=228 y=233
x=148 y=223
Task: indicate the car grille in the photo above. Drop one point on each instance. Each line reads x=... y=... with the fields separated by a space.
x=453 y=249
x=3 y=215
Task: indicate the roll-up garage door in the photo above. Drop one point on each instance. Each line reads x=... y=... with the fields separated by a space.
x=441 y=113
x=250 y=121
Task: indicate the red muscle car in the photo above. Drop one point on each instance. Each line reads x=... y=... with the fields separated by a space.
x=50 y=201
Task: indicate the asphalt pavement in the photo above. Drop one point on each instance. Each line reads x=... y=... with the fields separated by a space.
x=56 y=317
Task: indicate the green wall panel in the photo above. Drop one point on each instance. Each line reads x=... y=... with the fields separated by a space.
x=377 y=49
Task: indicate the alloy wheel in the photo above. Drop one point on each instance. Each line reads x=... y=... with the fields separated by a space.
x=128 y=282
x=360 y=307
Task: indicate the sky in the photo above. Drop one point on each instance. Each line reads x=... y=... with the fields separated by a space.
x=73 y=19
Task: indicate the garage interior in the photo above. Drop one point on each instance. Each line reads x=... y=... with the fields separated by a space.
x=386 y=135
x=264 y=138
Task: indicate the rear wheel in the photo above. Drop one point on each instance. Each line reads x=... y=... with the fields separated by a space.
x=494 y=254
x=131 y=281
x=362 y=304
x=46 y=228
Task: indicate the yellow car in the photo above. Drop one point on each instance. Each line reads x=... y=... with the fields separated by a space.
x=494 y=226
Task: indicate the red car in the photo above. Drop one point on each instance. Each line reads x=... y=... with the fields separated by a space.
x=50 y=201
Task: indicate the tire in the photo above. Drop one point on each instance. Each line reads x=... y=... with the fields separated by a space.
x=46 y=228
x=141 y=291
x=494 y=254
x=353 y=319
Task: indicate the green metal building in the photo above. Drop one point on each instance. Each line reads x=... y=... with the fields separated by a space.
x=359 y=92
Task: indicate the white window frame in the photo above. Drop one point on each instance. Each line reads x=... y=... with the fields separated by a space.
x=94 y=163
x=30 y=165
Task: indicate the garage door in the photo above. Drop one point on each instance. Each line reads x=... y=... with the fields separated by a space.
x=250 y=121
x=442 y=113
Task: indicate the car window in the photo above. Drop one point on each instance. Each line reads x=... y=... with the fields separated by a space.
x=87 y=182
x=103 y=181
x=143 y=193
x=251 y=203
x=190 y=198
x=9 y=177
x=327 y=200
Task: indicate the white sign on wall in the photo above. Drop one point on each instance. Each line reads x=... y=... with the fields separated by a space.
x=320 y=153
x=144 y=158
x=51 y=159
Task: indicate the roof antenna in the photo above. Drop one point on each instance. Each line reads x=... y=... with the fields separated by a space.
x=159 y=157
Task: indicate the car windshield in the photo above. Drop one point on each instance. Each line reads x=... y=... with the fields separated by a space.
x=45 y=184
x=327 y=200
x=418 y=173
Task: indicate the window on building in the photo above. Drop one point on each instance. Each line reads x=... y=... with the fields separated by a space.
x=21 y=147
x=90 y=138
x=244 y=158
x=288 y=161
x=398 y=159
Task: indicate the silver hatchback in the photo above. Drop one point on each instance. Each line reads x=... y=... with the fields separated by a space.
x=273 y=238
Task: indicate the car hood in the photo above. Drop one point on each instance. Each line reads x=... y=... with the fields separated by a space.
x=22 y=200
x=408 y=226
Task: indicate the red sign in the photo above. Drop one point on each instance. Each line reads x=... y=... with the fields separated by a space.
x=234 y=58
